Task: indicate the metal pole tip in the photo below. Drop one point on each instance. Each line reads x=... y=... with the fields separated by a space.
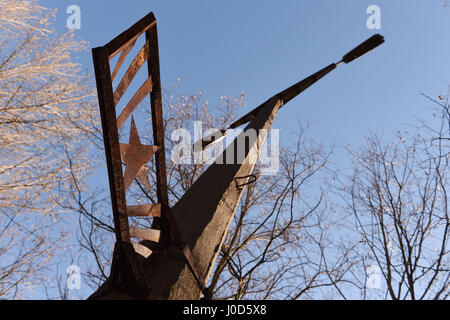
x=363 y=48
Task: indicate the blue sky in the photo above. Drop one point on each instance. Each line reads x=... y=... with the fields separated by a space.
x=262 y=47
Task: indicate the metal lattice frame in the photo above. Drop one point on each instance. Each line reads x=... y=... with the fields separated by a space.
x=115 y=151
x=108 y=100
x=127 y=270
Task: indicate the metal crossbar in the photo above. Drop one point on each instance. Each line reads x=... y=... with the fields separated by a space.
x=135 y=155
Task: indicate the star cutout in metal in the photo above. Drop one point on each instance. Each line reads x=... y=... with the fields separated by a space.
x=135 y=156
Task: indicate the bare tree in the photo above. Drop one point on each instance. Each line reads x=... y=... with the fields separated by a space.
x=47 y=111
x=398 y=196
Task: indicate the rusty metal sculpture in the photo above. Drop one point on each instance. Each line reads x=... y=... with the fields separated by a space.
x=207 y=206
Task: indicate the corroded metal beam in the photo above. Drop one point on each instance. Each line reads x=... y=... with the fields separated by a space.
x=204 y=215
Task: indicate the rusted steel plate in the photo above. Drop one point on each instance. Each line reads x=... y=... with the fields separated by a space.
x=143 y=177
x=158 y=133
x=122 y=58
x=137 y=63
x=135 y=156
x=145 y=234
x=143 y=91
x=147 y=210
x=111 y=141
x=116 y=45
x=142 y=250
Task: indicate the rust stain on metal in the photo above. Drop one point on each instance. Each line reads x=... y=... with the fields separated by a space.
x=194 y=268
x=143 y=91
x=137 y=63
x=135 y=155
x=126 y=268
x=111 y=140
x=145 y=234
x=122 y=58
x=148 y=210
x=122 y=40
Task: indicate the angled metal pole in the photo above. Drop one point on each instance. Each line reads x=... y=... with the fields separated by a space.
x=205 y=212
x=293 y=91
